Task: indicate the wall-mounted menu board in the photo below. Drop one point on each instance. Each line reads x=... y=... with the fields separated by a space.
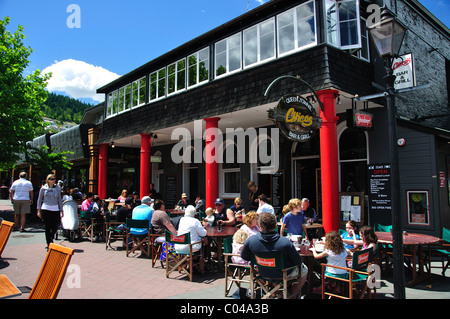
x=351 y=207
x=171 y=191
x=277 y=191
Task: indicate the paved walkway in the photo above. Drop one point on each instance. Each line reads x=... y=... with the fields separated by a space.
x=97 y=273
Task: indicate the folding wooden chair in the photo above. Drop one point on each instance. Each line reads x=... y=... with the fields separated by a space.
x=156 y=243
x=90 y=226
x=272 y=286
x=52 y=273
x=142 y=241
x=181 y=261
x=236 y=273
x=5 y=231
x=113 y=231
x=442 y=250
x=356 y=276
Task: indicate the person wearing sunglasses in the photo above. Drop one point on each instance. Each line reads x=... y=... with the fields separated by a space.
x=49 y=207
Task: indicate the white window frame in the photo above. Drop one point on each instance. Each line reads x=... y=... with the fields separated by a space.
x=176 y=75
x=157 y=85
x=197 y=66
x=227 y=51
x=296 y=38
x=258 y=43
x=139 y=88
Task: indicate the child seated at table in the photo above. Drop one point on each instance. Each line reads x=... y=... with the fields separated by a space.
x=368 y=239
x=350 y=235
x=209 y=219
x=335 y=253
x=239 y=239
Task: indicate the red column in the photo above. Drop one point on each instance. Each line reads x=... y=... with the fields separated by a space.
x=329 y=160
x=102 y=170
x=211 y=165
x=145 y=164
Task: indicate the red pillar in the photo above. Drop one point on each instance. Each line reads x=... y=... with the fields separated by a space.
x=329 y=160
x=102 y=170
x=145 y=164
x=211 y=165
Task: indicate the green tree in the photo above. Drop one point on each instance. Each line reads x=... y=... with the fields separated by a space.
x=44 y=160
x=21 y=96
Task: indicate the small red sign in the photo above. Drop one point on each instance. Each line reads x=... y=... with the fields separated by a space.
x=441 y=179
x=363 y=120
x=266 y=262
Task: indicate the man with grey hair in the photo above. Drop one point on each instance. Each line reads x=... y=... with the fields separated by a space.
x=142 y=212
x=21 y=192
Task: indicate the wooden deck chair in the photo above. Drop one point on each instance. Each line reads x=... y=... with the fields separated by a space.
x=90 y=226
x=5 y=232
x=156 y=243
x=272 y=286
x=52 y=273
x=180 y=261
x=357 y=277
x=237 y=273
x=113 y=231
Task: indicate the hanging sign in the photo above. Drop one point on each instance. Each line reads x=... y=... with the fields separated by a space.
x=295 y=117
x=403 y=68
x=359 y=119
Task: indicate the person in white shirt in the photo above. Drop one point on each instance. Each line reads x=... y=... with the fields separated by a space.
x=190 y=224
x=264 y=207
x=21 y=192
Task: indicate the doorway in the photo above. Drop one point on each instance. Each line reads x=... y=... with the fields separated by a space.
x=307 y=181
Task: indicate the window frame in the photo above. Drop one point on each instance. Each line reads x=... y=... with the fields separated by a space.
x=227 y=57
x=197 y=68
x=258 y=43
x=175 y=74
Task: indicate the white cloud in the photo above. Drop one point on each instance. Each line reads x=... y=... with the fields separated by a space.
x=78 y=79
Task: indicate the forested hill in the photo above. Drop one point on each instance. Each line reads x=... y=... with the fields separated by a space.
x=64 y=108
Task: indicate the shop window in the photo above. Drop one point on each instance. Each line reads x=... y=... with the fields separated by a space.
x=418 y=207
x=297 y=28
x=259 y=42
x=343 y=24
x=228 y=57
x=198 y=67
x=353 y=160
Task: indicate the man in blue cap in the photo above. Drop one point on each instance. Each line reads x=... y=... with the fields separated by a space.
x=142 y=212
x=224 y=216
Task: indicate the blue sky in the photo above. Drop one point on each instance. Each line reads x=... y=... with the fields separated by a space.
x=117 y=36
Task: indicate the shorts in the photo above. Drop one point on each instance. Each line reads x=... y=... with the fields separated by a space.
x=21 y=207
x=303 y=272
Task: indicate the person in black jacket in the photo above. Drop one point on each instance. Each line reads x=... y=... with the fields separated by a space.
x=269 y=244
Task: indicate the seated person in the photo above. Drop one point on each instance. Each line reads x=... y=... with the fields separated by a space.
x=209 y=219
x=190 y=224
x=125 y=211
x=251 y=223
x=183 y=202
x=87 y=202
x=123 y=196
x=160 y=220
x=368 y=239
x=269 y=244
x=350 y=235
x=239 y=239
x=199 y=203
x=264 y=207
x=142 y=212
x=224 y=216
x=238 y=209
x=95 y=207
x=293 y=221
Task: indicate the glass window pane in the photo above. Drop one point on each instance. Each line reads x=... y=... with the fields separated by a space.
x=250 y=46
x=286 y=32
x=152 y=93
x=115 y=103
x=161 y=83
x=332 y=30
x=221 y=57
x=267 y=40
x=232 y=182
x=306 y=29
x=349 y=33
x=234 y=54
x=352 y=145
x=135 y=93
x=142 y=90
x=121 y=99
x=128 y=97
x=181 y=74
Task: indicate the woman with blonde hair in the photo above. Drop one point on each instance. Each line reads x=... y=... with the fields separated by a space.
x=251 y=223
x=49 y=207
x=123 y=196
x=293 y=221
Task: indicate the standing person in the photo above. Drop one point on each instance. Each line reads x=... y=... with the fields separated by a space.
x=264 y=206
x=293 y=221
x=21 y=192
x=253 y=196
x=49 y=207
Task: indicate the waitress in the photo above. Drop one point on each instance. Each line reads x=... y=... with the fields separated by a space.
x=49 y=207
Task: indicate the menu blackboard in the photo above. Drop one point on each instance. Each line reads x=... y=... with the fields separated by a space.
x=379 y=187
x=277 y=191
x=171 y=191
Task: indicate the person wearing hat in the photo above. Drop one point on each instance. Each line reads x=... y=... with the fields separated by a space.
x=223 y=216
x=183 y=202
x=125 y=211
x=142 y=212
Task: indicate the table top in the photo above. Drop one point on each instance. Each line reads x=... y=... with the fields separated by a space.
x=408 y=239
x=176 y=211
x=226 y=231
x=305 y=251
x=315 y=225
x=7 y=288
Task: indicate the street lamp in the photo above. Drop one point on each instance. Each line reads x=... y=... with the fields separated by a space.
x=388 y=35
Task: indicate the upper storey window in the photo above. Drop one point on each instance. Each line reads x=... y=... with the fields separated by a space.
x=343 y=23
x=259 y=42
x=228 y=55
x=296 y=28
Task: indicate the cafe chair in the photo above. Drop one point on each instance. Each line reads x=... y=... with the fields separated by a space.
x=442 y=250
x=181 y=261
x=5 y=231
x=279 y=286
x=357 y=277
x=90 y=226
x=135 y=242
x=52 y=273
x=114 y=230
x=238 y=274
x=156 y=244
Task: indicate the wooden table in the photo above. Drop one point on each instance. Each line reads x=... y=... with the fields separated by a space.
x=308 y=259
x=175 y=212
x=416 y=243
x=218 y=236
x=7 y=288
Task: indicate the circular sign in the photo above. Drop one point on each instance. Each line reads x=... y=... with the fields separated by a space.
x=296 y=118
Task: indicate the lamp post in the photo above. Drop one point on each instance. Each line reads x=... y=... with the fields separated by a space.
x=388 y=35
